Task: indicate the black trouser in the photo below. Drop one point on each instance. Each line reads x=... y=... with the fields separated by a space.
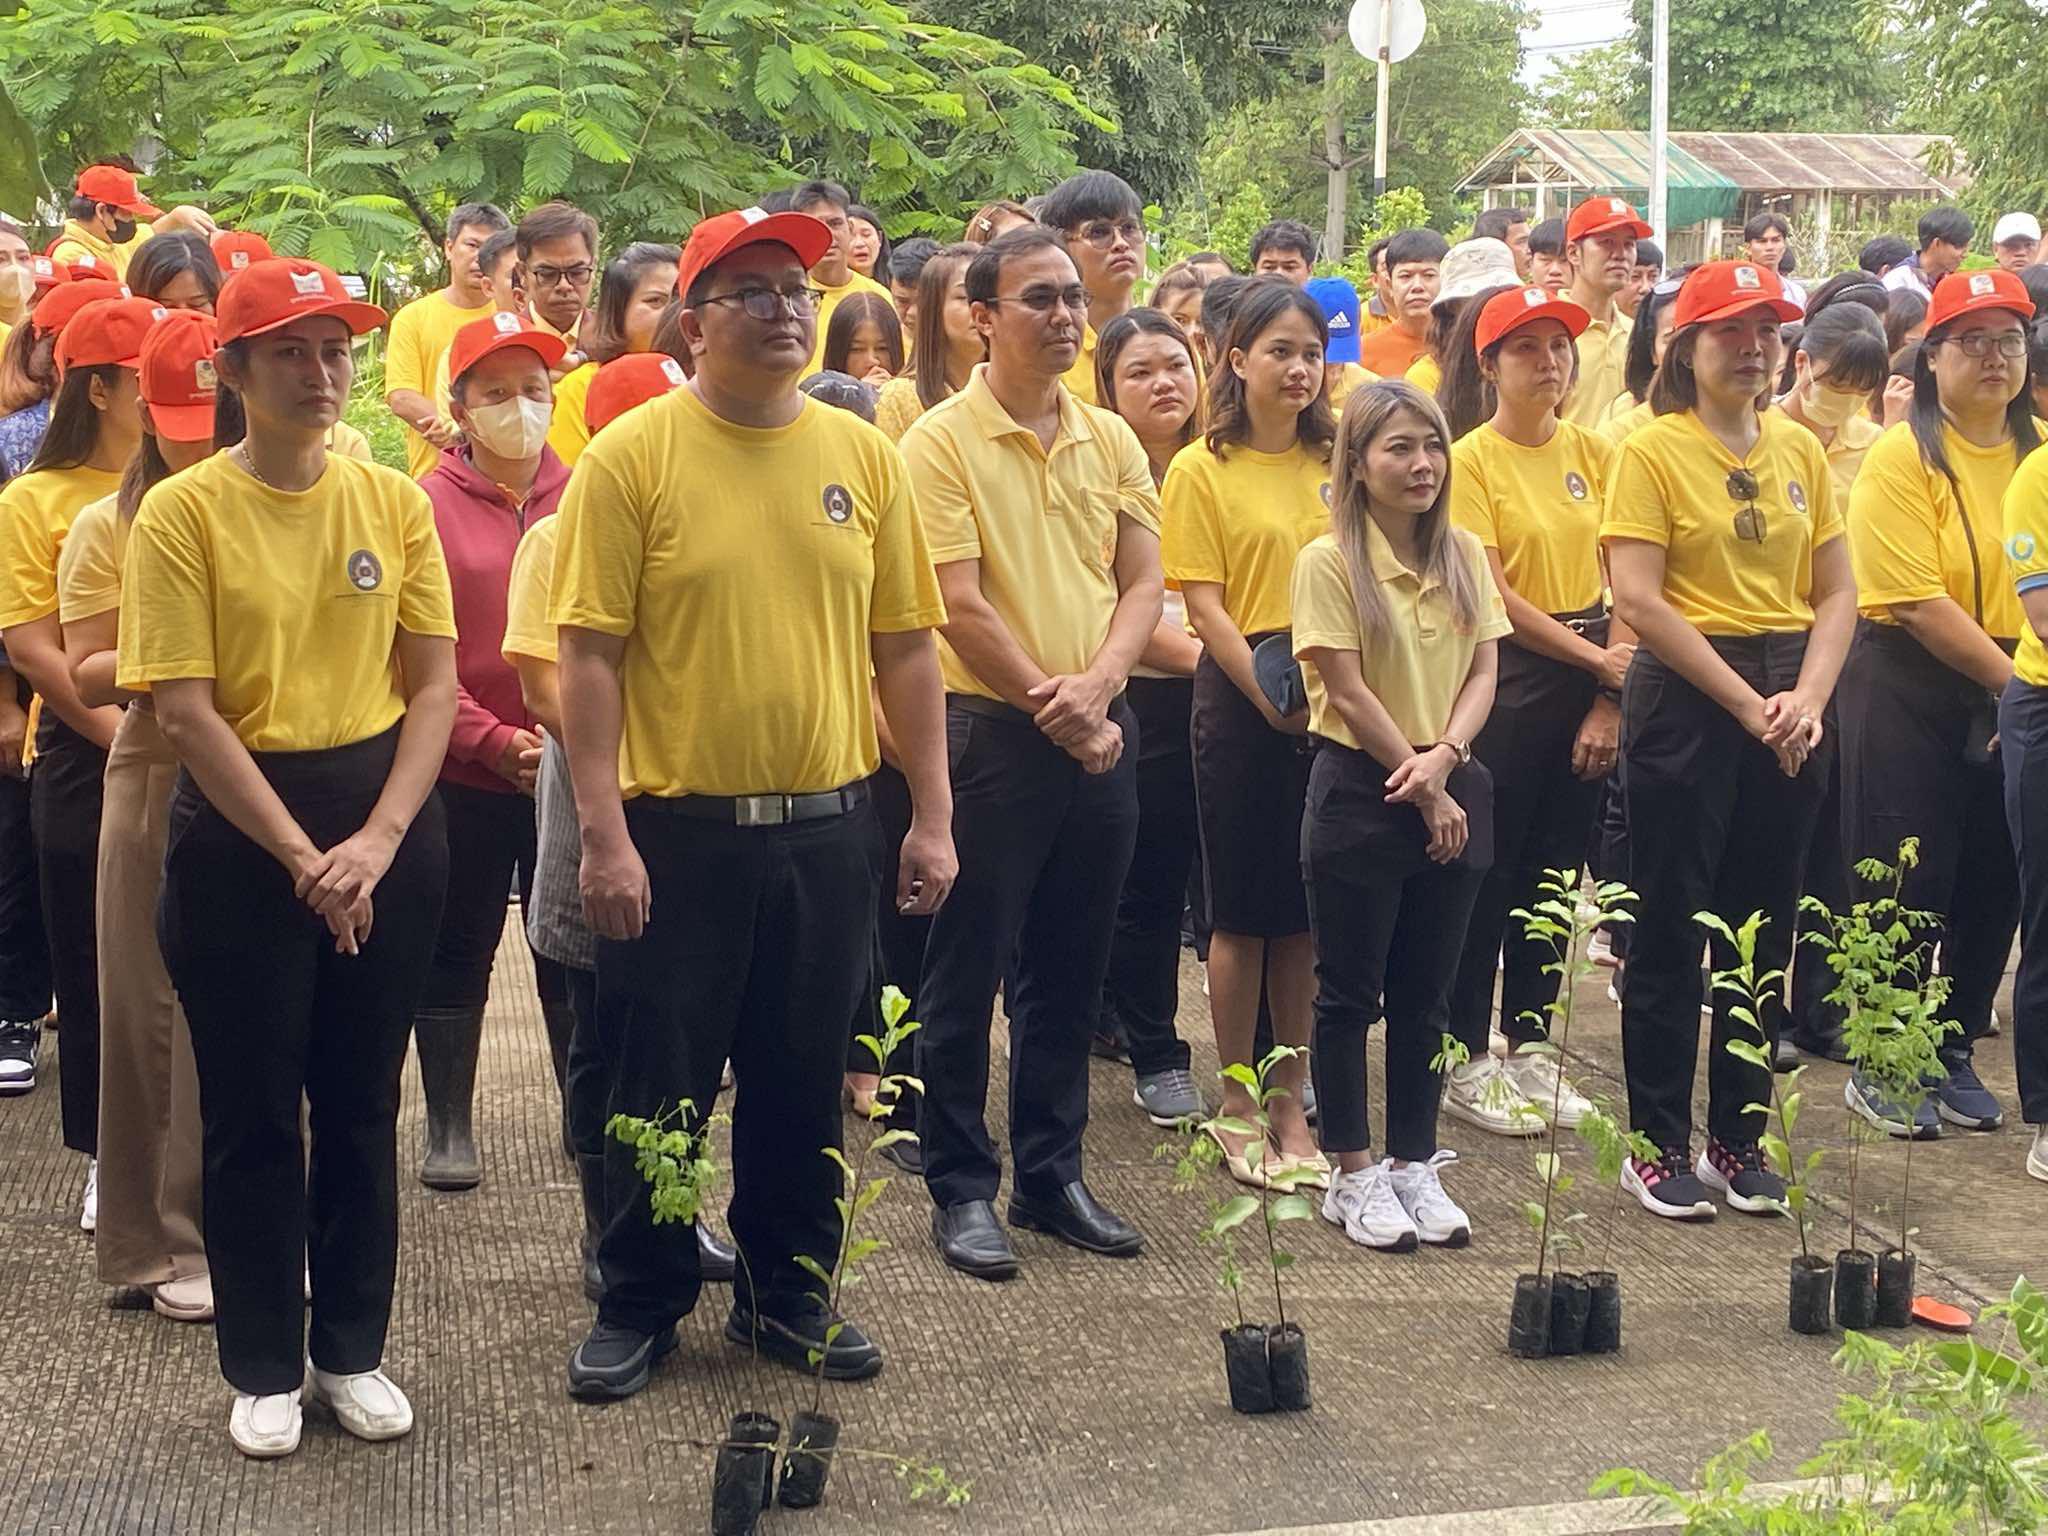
x=1044 y=846
x=1906 y=772
x=586 y=1084
x=755 y=949
x=1141 y=993
x=276 y=1013
x=898 y=950
x=1714 y=825
x=490 y=837
x=1388 y=925
x=1816 y=1023
x=2023 y=747
x=1541 y=813
x=24 y=948
x=64 y=810
x=1609 y=850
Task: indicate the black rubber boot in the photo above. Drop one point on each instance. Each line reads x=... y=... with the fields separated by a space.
x=590 y=1173
x=560 y=1019
x=448 y=1039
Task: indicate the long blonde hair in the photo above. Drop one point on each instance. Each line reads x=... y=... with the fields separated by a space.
x=1366 y=414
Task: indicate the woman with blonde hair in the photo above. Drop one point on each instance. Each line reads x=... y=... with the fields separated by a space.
x=945 y=345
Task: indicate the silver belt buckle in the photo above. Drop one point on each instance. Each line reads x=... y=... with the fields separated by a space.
x=762 y=810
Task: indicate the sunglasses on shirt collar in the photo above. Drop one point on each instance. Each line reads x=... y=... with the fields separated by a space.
x=1750 y=524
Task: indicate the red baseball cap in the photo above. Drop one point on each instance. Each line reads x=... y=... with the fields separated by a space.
x=108 y=332
x=1510 y=311
x=176 y=373
x=715 y=238
x=71 y=295
x=1714 y=290
x=1605 y=215
x=627 y=381
x=87 y=265
x=234 y=249
x=1964 y=293
x=267 y=294
x=111 y=184
x=494 y=333
x=47 y=273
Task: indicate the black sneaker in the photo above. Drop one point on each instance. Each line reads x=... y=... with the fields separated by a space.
x=1921 y=1123
x=1668 y=1188
x=1962 y=1099
x=851 y=1356
x=19 y=1043
x=615 y=1361
x=1739 y=1174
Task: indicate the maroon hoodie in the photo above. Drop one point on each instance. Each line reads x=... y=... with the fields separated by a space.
x=480 y=528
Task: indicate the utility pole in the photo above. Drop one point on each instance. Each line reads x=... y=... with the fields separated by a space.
x=1660 y=117
x=1379 y=117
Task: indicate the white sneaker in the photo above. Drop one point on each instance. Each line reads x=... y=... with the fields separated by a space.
x=1365 y=1206
x=368 y=1404
x=2037 y=1158
x=1600 y=950
x=267 y=1426
x=1481 y=1093
x=89 y=1207
x=1436 y=1216
x=185 y=1300
x=1536 y=1075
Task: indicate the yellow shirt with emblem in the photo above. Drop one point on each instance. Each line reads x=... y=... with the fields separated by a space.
x=527 y=630
x=1080 y=379
x=2025 y=522
x=36 y=510
x=1539 y=508
x=415 y=353
x=1238 y=518
x=1603 y=370
x=75 y=240
x=1042 y=523
x=746 y=568
x=291 y=601
x=89 y=568
x=1417 y=662
x=568 y=428
x=1670 y=487
x=854 y=283
x=1907 y=535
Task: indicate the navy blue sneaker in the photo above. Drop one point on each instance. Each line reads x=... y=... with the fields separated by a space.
x=1864 y=1097
x=1962 y=1099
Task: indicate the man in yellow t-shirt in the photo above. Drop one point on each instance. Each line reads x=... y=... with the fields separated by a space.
x=421 y=333
x=1104 y=223
x=833 y=276
x=106 y=216
x=715 y=658
x=1045 y=528
x=1600 y=243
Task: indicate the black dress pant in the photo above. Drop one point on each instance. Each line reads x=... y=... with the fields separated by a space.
x=64 y=810
x=1541 y=812
x=24 y=948
x=1609 y=850
x=1816 y=1023
x=1388 y=924
x=1906 y=772
x=2023 y=748
x=897 y=954
x=757 y=945
x=1714 y=825
x=490 y=838
x=586 y=1083
x=1141 y=994
x=276 y=1015
x=1044 y=846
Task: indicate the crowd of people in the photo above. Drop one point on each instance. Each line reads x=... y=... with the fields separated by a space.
x=790 y=614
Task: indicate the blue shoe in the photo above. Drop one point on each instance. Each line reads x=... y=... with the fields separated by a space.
x=1862 y=1096
x=1962 y=1099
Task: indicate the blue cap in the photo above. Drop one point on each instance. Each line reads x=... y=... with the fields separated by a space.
x=1339 y=301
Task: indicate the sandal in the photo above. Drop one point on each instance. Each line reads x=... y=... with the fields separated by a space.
x=1239 y=1164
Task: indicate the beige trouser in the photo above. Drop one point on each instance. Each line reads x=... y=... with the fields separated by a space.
x=149 y=1228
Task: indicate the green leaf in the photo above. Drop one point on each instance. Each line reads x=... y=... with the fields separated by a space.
x=1234 y=1213
x=1290 y=1208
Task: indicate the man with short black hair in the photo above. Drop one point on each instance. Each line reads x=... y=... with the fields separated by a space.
x=1414 y=273
x=108 y=218
x=1214 y=263
x=1765 y=239
x=1601 y=246
x=497 y=263
x=1945 y=235
x=1104 y=223
x=1879 y=256
x=2016 y=241
x=416 y=350
x=906 y=266
x=1549 y=268
x=1284 y=248
x=1649 y=272
x=1510 y=226
x=557 y=246
x=834 y=275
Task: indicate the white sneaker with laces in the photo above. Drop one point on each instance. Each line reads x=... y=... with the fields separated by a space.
x=367 y=1404
x=1481 y=1093
x=1436 y=1215
x=268 y=1426
x=1365 y=1206
x=89 y=1207
x=2037 y=1158
x=1536 y=1075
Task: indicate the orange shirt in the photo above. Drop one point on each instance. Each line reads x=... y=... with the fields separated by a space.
x=1391 y=352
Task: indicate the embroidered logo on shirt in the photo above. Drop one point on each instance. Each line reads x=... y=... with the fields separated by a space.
x=1323 y=491
x=838 y=503
x=2020 y=546
x=1575 y=484
x=1797 y=493
x=365 y=571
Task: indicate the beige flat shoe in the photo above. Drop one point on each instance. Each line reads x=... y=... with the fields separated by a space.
x=1240 y=1165
x=266 y=1427
x=1317 y=1164
x=186 y=1300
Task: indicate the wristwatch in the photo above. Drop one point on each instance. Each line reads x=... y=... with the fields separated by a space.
x=1462 y=748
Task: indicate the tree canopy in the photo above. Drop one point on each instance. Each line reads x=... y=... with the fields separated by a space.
x=1761 y=66
x=1981 y=75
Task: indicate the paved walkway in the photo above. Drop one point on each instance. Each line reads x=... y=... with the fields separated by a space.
x=1085 y=1397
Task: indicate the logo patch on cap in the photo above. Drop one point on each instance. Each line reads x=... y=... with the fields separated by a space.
x=838 y=503
x=86 y=259
x=1340 y=321
x=1531 y=297
x=365 y=571
x=672 y=371
x=753 y=215
x=1616 y=205
x=1796 y=493
x=1745 y=277
x=238 y=259
x=309 y=283
x=203 y=378
x=1981 y=284
x=157 y=314
x=1575 y=485
x=42 y=266
x=506 y=322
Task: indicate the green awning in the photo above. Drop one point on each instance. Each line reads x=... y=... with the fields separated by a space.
x=1618 y=165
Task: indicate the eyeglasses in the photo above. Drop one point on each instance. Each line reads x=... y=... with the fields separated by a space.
x=1981 y=343
x=549 y=277
x=1040 y=300
x=1749 y=518
x=768 y=304
x=1103 y=233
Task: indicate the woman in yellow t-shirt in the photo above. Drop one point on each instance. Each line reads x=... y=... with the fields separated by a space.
x=1918 y=701
x=1724 y=547
x=945 y=345
x=632 y=296
x=290 y=614
x=1396 y=621
x=1238 y=505
x=1647 y=340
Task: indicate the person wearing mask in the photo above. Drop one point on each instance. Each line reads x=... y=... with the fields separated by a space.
x=636 y=287
x=1338 y=301
x=1510 y=226
x=1147 y=375
x=1104 y=224
x=422 y=330
x=991 y=221
x=1042 y=520
x=1880 y=255
x=865 y=340
x=1766 y=239
x=177 y=270
x=1945 y=234
x=1284 y=248
x=1396 y=624
x=946 y=343
x=17 y=279
x=1414 y=276
x=149 y=1232
x=1239 y=504
x=906 y=265
x=1178 y=296
x=28 y=366
x=1725 y=552
x=1472 y=270
x=710 y=858
x=1550 y=268
x=2016 y=241
x=835 y=275
x=1601 y=242
x=867 y=244
x=108 y=219
x=1528 y=486
x=1649 y=272
x=1941 y=619
x=94 y=431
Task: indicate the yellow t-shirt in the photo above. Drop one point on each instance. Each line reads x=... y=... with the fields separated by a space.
x=1670 y=487
x=569 y=430
x=1539 y=507
x=1080 y=379
x=1042 y=524
x=1906 y=533
x=1846 y=450
x=1425 y=374
x=75 y=240
x=1603 y=371
x=36 y=510
x=291 y=601
x=746 y=569
x=1626 y=421
x=1349 y=377
x=854 y=283
x=349 y=443
x=1416 y=664
x=6 y=331
x=415 y=352
x=2026 y=554
x=527 y=630
x=897 y=407
x=89 y=567
x=1239 y=520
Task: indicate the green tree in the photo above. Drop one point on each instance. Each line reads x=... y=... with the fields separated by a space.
x=1589 y=89
x=1762 y=66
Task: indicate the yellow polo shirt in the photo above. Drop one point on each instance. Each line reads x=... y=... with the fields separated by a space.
x=1349 y=377
x=291 y=601
x=1416 y=663
x=854 y=283
x=527 y=630
x=1670 y=487
x=36 y=510
x=1907 y=535
x=746 y=568
x=568 y=430
x=1603 y=370
x=416 y=352
x=1538 y=507
x=1080 y=379
x=75 y=240
x=1238 y=518
x=1042 y=523
x=2026 y=554
x=89 y=566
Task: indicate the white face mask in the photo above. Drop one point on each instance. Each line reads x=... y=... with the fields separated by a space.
x=1826 y=407
x=512 y=429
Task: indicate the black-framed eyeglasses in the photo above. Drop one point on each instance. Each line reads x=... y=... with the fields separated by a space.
x=1103 y=233
x=772 y=304
x=1041 y=299
x=1980 y=343
x=549 y=277
x=1750 y=523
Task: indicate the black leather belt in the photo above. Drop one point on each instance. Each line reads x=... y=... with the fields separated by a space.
x=767 y=810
